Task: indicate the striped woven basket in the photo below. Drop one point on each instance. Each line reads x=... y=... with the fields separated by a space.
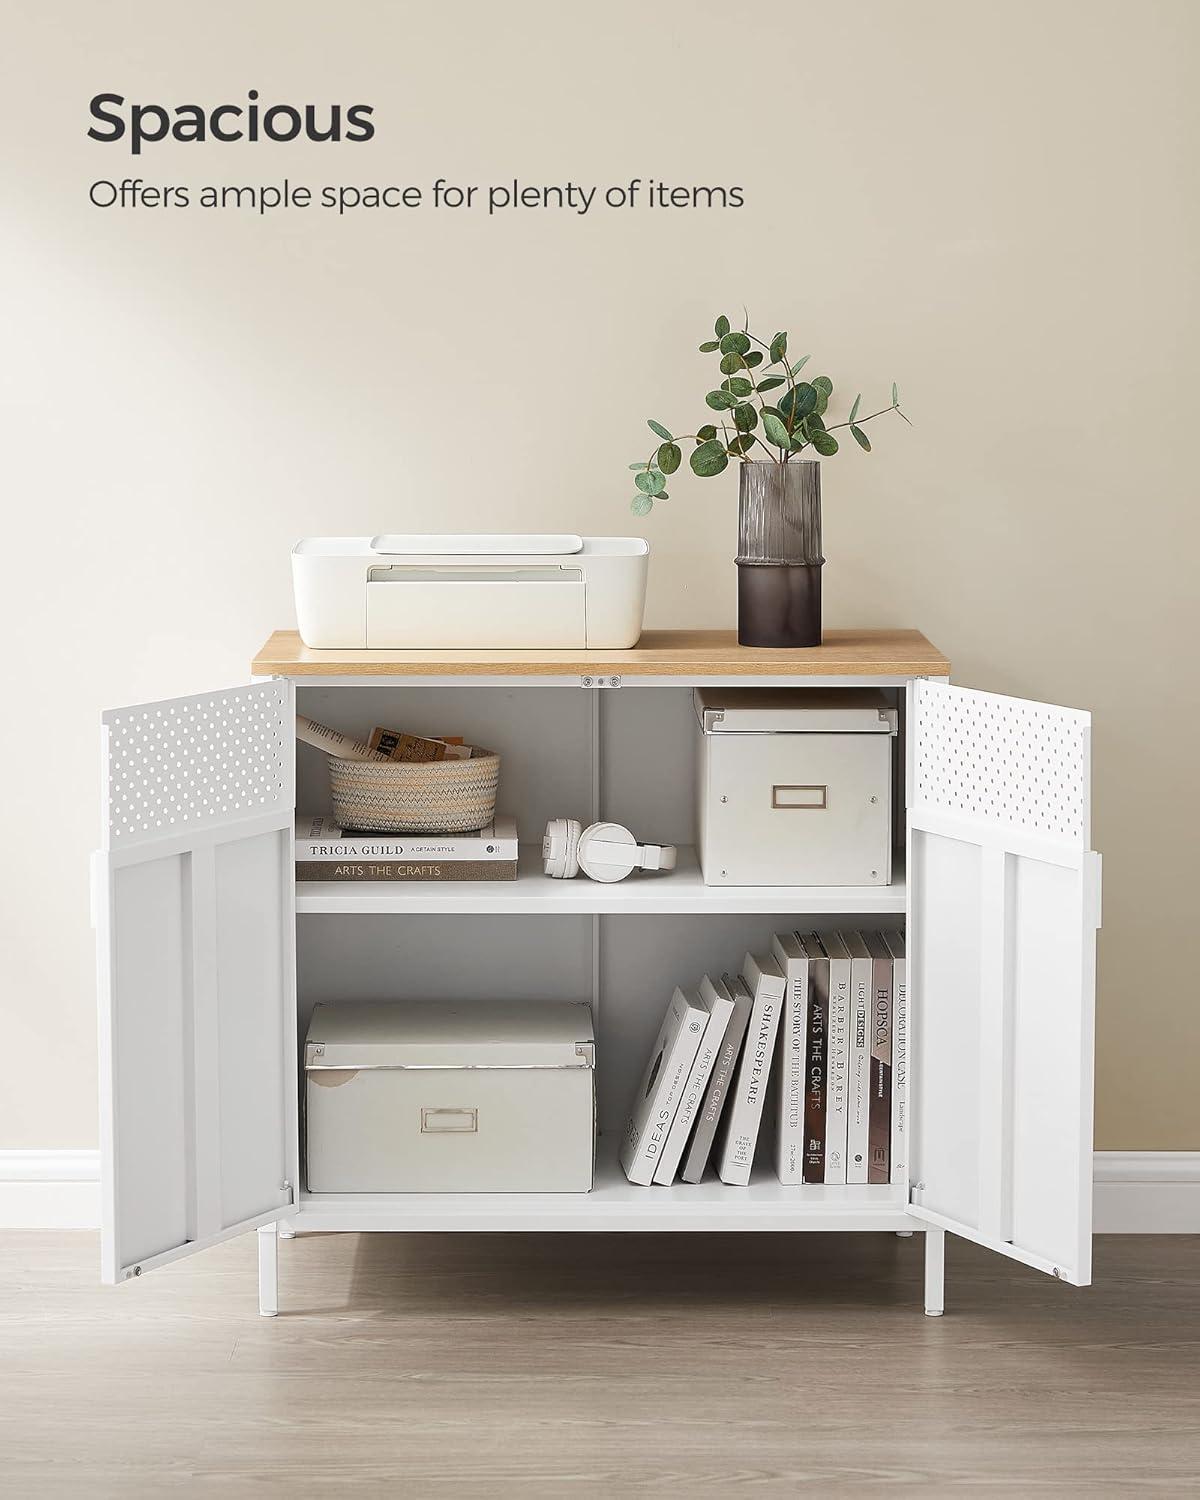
x=441 y=796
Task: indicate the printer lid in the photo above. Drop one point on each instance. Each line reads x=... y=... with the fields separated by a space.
x=465 y=544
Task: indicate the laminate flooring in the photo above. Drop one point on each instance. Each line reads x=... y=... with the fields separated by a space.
x=603 y=1365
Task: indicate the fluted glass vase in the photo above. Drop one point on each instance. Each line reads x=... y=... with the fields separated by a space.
x=779 y=554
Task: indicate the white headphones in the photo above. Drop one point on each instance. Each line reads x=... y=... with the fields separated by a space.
x=605 y=851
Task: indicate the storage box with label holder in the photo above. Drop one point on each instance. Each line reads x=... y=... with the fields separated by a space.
x=483 y=1096
x=795 y=786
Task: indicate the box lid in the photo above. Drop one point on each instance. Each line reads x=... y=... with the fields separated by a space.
x=450 y=1034
x=733 y=710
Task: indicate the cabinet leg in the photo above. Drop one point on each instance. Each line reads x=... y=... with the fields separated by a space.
x=935 y=1272
x=286 y=1232
x=268 y=1271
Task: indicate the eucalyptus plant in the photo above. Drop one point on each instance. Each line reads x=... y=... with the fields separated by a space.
x=782 y=427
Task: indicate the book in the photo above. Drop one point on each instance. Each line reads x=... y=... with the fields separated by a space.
x=837 y=1069
x=816 y=1054
x=661 y=1085
x=319 y=837
x=720 y=1080
x=744 y=1111
x=858 y=1072
x=720 y=1008
x=881 y=1059
x=792 y=958
x=404 y=869
x=899 y=1164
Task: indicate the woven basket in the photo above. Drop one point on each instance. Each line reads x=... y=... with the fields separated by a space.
x=441 y=796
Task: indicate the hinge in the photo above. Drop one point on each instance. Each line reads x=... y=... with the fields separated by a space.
x=599 y=682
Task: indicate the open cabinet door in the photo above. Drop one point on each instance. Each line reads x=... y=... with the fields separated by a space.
x=194 y=907
x=1004 y=905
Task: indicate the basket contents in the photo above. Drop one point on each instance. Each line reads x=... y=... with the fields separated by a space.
x=396 y=782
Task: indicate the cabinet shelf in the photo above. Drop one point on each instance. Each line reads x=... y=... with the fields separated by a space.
x=615 y=1204
x=678 y=892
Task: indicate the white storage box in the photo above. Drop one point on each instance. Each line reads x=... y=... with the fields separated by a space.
x=462 y=592
x=482 y=1096
x=795 y=786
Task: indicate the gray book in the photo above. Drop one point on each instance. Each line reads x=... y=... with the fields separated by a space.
x=723 y=1073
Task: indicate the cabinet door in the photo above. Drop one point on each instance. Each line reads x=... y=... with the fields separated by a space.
x=1004 y=905
x=194 y=906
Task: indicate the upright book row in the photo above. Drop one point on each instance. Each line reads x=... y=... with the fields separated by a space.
x=812 y=1038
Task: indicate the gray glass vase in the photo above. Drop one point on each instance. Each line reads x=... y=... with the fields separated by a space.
x=779 y=554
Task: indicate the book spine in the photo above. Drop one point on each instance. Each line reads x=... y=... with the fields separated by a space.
x=881 y=1071
x=817 y=1053
x=858 y=1084
x=793 y=1037
x=402 y=870
x=381 y=849
x=837 y=1072
x=737 y=1157
x=899 y=1165
x=717 y=1095
x=693 y=1093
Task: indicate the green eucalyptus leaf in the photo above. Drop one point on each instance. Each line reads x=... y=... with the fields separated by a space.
x=738 y=385
x=754 y=358
x=776 y=432
x=799 y=365
x=895 y=394
x=800 y=439
x=797 y=401
x=741 y=444
x=778 y=347
x=731 y=362
x=641 y=505
x=814 y=422
x=735 y=343
x=825 y=443
x=772 y=411
x=650 y=483
x=639 y=466
x=769 y=383
x=745 y=418
x=720 y=400
x=822 y=403
x=670 y=456
x=860 y=437
x=710 y=346
x=854 y=408
x=709 y=458
x=706 y=433
x=721 y=326
x=823 y=383
x=659 y=430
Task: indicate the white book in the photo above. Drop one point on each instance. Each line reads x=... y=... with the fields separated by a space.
x=899 y=1168
x=735 y=1157
x=661 y=1086
x=791 y=957
x=720 y=1081
x=720 y=1008
x=858 y=1076
x=837 y=1071
x=318 y=837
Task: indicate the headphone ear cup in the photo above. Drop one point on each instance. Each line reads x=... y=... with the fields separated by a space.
x=609 y=833
x=560 y=848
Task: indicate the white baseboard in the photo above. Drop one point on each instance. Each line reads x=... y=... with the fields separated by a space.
x=49 y=1189
x=1136 y=1192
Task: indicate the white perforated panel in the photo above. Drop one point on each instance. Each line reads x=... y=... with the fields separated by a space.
x=189 y=762
x=1006 y=761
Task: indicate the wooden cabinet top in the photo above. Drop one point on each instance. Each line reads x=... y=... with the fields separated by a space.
x=659 y=653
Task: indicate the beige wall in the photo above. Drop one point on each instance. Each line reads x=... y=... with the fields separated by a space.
x=993 y=204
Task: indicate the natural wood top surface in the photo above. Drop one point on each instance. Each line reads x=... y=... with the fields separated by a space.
x=659 y=653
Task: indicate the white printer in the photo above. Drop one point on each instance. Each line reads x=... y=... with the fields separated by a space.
x=460 y=592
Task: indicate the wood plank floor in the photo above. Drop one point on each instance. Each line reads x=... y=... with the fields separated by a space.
x=606 y=1365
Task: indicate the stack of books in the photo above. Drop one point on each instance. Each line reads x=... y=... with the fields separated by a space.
x=326 y=852
x=813 y=1037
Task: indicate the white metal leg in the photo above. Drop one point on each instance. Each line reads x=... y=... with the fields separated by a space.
x=268 y=1271
x=904 y=1234
x=935 y=1272
x=286 y=1232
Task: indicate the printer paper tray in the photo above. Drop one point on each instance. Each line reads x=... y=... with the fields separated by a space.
x=455 y=615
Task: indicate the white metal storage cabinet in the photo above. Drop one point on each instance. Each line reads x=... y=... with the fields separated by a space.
x=197 y=907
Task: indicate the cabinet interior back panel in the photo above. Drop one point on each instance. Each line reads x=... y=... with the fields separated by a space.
x=648 y=742
x=543 y=737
